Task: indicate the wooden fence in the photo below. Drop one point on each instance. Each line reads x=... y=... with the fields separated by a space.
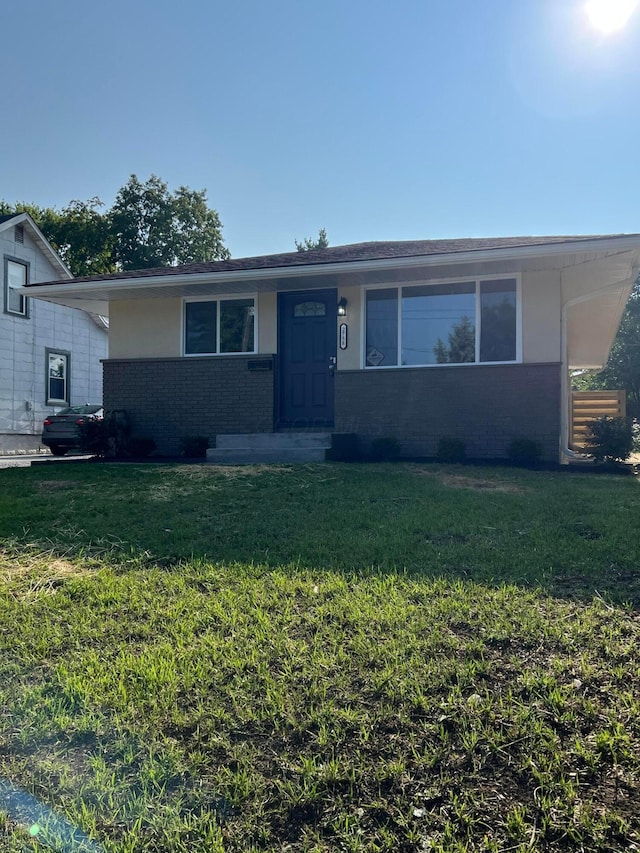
x=587 y=406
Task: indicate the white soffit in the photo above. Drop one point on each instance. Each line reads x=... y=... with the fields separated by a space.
x=594 y=275
x=592 y=327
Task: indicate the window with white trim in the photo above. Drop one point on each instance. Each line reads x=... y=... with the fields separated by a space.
x=16 y=274
x=468 y=322
x=219 y=326
x=57 y=378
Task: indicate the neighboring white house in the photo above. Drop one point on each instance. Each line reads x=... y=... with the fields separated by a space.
x=50 y=355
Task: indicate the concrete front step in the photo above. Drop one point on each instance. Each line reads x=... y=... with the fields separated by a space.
x=256 y=456
x=264 y=447
x=274 y=441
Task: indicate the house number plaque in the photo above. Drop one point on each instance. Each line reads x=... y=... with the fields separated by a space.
x=343 y=335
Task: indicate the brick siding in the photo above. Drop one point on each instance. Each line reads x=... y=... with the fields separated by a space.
x=169 y=398
x=485 y=406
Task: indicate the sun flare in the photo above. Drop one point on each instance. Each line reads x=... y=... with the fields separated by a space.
x=609 y=16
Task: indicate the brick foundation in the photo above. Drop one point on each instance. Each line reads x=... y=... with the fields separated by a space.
x=484 y=405
x=170 y=398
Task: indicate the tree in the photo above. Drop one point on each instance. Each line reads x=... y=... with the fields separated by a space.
x=462 y=344
x=622 y=370
x=309 y=243
x=147 y=226
x=152 y=227
x=82 y=236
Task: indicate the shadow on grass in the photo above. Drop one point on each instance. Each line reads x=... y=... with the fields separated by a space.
x=568 y=536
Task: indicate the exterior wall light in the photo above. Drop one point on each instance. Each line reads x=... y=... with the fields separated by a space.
x=342 y=307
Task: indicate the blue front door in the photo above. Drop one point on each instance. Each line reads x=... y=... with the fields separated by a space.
x=307 y=356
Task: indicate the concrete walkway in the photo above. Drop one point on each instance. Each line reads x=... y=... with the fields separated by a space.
x=24 y=460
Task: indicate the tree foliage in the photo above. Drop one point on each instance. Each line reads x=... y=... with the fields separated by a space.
x=462 y=344
x=147 y=226
x=308 y=244
x=82 y=236
x=152 y=227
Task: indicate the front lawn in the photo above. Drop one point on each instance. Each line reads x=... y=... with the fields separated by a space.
x=316 y=658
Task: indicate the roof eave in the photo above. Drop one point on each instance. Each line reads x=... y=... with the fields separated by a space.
x=302 y=270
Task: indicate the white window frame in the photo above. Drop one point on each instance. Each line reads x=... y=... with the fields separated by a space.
x=218 y=299
x=57 y=401
x=457 y=280
x=8 y=259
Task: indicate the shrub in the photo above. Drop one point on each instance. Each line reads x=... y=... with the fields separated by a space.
x=524 y=451
x=141 y=446
x=93 y=437
x=107 y=437
x=117 y=428
x=610 y=439
x=451 y=450
x=344 y=447
x=194 y=446
x=385 y=449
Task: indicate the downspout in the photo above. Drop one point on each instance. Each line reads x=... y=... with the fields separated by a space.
x=566 y=454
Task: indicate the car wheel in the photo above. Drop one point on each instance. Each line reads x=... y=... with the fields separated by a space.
x=57 y=450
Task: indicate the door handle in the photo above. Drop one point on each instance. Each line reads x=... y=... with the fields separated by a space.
x=333 y=361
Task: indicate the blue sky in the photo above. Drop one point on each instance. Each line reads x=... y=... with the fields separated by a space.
x=376 y=120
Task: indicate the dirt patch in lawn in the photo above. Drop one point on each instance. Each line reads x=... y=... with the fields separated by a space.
x=50 y=485
x=458 y=481
x=476 y=484
x=29 y=576
x=207 y=471
x=188 y=480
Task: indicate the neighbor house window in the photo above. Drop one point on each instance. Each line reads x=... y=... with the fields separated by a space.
x=16 y=274
x=453 y=323
x=219 y=326
x=57 y=366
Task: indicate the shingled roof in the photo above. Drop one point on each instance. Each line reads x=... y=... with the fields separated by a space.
x=343 y=254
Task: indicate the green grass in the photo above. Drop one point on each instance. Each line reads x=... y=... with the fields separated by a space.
x=315 y=658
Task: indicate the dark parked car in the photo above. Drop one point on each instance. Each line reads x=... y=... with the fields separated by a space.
x=61 y=432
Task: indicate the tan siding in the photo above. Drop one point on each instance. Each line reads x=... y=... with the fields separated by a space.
x=268 y=323
x=145 y=328
x=541 y=317
x=152 y=328
x=349 y=359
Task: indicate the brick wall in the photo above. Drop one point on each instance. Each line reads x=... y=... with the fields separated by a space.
x=169 y=398
x=485 y=406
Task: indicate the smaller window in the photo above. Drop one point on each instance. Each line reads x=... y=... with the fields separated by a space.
x=201 y=327
x=219 y=327
x=382 y=327
x=16 y=274
x=57 y=377
x=498 y=301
